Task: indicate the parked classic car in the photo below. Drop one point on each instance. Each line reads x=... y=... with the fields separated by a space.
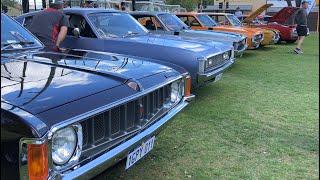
x=230 y=20
x=118 y=32
x=73 y=114
x=201 y=21
x=167 y=23
x=279 y=21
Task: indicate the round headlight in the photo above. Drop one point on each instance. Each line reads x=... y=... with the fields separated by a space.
x=64 y=142
x=176 y=91
x=226 y=55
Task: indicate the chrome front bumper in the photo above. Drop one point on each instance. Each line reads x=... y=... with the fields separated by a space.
x=118 y=153
x=210 y=76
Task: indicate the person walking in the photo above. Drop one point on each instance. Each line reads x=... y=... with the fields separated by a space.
x=238 y=12
x=50 y=26
x=123 y=6
x=302 y=29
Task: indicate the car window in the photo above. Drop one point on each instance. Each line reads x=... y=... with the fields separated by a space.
x=172 y=22
x=14 y=36
x=157 y=23
x=78 y=21
x=149 y=22
x=222 y=20
x=27 y=21
x=117 y=24
x=234 y=21
x=206 y=20
x=184 y=19
x=193 y=21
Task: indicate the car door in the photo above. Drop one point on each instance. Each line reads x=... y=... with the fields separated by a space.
x=87 y=38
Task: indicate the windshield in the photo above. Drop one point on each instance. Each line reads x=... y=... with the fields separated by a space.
x=234 y=20
x=206 y=20
x=116 y=25
x=14 y=36
x=172 y=22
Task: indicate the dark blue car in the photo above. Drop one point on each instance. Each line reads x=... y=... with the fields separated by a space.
x=73 y=114
x=118 y=32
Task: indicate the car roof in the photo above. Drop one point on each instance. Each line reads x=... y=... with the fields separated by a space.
x=84 y=11
x=147 y=13
x=77 y=10
x=219 y=13
x=186 y=13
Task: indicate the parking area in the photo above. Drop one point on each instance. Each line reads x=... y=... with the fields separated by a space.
x=259 y=122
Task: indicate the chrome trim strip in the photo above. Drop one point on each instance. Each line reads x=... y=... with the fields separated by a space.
x=109 y=158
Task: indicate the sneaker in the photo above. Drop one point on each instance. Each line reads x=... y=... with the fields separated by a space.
x=297 y=51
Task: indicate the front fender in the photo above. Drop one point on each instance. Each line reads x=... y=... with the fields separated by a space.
x=178 y=57
x=17 y=123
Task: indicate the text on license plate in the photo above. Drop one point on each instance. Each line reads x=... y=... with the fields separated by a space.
x=140 y=152
x=218 y=77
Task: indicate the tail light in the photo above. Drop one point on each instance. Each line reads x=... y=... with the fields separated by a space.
x=187 y=91
x=38 y=161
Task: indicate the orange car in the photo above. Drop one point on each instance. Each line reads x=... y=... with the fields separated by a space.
x=271 y=36
x=201 y=21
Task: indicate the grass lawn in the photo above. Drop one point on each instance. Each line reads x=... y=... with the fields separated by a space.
x=261 y=121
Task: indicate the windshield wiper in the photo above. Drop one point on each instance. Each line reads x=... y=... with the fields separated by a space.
x=130 y=34
x=21 y=41
x=7 y=45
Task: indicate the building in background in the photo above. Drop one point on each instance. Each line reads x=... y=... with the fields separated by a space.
x=248 y=6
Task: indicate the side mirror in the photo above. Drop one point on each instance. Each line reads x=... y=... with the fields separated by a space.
x=76 y=32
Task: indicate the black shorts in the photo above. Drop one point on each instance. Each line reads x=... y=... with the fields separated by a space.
x=302 y=30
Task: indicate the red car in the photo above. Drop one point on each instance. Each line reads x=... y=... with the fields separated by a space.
x=279 y=21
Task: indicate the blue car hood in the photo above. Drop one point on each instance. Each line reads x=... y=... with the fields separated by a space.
x=44 y=81
x=125 y=66
x=221 y=36
x=180 y=42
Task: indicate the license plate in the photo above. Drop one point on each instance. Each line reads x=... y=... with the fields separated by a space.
x=218 y=77
x=140 y=152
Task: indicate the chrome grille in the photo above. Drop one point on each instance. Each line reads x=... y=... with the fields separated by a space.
x=124 y=119
x=216 y=61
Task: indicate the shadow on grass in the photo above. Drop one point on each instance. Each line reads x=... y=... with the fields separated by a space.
x=267 y=48
x=247 y=54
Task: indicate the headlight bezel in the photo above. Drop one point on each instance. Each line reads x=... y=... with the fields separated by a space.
x=179 y=89
x=226 y=55
x=77 y=150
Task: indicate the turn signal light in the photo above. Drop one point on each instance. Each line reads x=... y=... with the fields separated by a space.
x=187 y=91
x=38 y=161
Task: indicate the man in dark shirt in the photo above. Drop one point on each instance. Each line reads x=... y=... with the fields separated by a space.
x=90 y=4
x=302 y=29
x=123 y=6
x=50 y=25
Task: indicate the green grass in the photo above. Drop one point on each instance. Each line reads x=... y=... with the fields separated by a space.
x=259 y=122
